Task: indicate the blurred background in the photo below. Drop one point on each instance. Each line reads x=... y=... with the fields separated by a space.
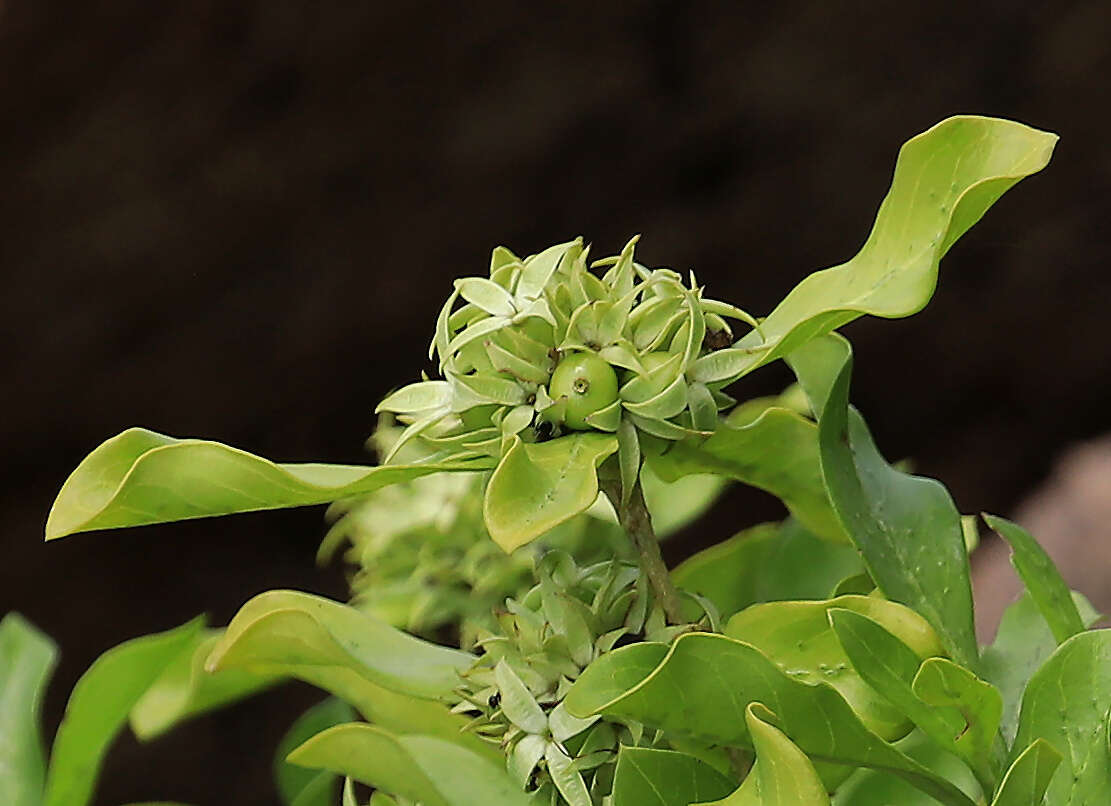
x=238 y=219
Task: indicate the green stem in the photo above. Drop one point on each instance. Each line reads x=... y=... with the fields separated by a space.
x=637 y=522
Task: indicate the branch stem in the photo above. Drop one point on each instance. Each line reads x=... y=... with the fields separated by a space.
x=637 y=522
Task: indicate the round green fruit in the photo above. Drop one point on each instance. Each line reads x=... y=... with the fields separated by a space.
x=588 y=383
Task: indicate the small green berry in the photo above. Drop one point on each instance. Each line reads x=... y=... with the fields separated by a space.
x=587 y=382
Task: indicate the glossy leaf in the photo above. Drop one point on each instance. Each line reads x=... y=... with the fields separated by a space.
x=1066 y=703
x=777 y=452
x=298 y=786
x=98 y=708
x=700 y=686
x=184 y=689
x=421 y=768
x=283 y=631
x=27 y=658
x=798 y=638
x=945 y=179
x=141 y=477
x=906 y=527
x=1028 y=778
x=649 y=777
x=539 y=486
x=940 y=683
x=1041 y=577
x=1022 y=644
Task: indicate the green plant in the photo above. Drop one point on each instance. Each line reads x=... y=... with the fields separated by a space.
x=829 y=658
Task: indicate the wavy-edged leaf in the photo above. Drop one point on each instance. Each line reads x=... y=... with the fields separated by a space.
x=1021 y=646
x=285 y=631
x=784 y=773
x=906 y=527
x=98 y=708
x=184 y=689
x=28 y=658
x=676 y=504
x=1028 y=778
x=141 y=477
x=649 y=777
x=421 y=768
x=539 y=486
x=700 y=686
x=879 y=788
x=798 y=638
x=1041 y=577
x=945 y=179
x=1066 y=704
x=298 y=786
x=777 y=452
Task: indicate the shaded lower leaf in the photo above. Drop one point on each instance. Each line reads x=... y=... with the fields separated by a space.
x=1041 y=577
x=776 y=452
x=184 y=689
x=879 y=788
x=648 y=777
x=701 y=685
x=1028 y=778
x=141 y=477
x=99 y=705
x=1022 y=644
x=729 y=573
x=27 y=658
x=421 y=768
x=679 y=503
x=906 y=527
x=538 y=486
x=298 y=786
x=1066 y=703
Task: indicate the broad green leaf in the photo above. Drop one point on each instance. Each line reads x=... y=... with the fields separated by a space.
x=27 y=658
x=1022 y=644
x=300 y=786
x=1066 y=704
x=539 y=486
x=701 y=685
x=386 y=674
x=1041 y=577
x=681 y=502
x=784 y=774
x=906 y=527
x=798 y=638
x=647 y=777
x=185 y=689
x=421 y=768
x=879 y=788
x=777 y=452
x=141 y=477
x=1028 y=778
x=945 y=180
x=803 y=566
x=98 y=708
x=284 y=630
x=889 y=666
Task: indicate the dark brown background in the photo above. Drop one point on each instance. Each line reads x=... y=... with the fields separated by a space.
x=238 y=219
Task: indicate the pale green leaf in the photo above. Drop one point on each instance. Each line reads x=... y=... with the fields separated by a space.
x=945 y=179
x=940 y=683
x=567 y=779
x=98 y=708
x=539 y=486
x=517 y=702
x=785 y=775
x=27 y=658
x=421 y=768
x=140 y=477
x=298 y=786
x=487 y=295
